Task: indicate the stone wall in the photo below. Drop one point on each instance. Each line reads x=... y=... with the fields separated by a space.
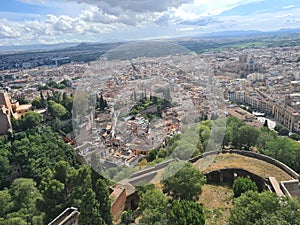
x=265 y=158
x=153 y=168
x=291 y=188
x=118 y=206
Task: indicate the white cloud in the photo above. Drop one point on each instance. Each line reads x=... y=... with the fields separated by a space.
x=92 y=19
x=288 y=7
x=35 y=2
x=138 y=6
x=7 y=31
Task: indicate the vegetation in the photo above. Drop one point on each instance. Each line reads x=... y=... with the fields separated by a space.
x=153 y=206
x=241 y=136
x=53 y=84
x=282 y=130
x=150 y=108
x=101 y=103
x=182 y=181
x=28 y=121
x=159 y=209
x=264 y=208
x=128 y=217
x=243 y=184
x=186 y=212
x=49 y=180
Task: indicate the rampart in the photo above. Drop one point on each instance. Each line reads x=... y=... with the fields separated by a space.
x=258 y=156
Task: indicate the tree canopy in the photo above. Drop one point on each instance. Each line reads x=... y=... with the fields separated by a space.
x=243 y=184
x=263 y=209
x=154 y=207
x=182 y=181
x=186 y=213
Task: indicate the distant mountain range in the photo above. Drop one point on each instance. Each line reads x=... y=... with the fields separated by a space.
x=245 y=33
x=35 y=47
x=77 y=45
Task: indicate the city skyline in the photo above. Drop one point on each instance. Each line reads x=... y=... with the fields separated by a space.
x=59 y=21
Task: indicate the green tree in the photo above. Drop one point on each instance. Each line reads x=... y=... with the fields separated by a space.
x=54 y=199
x=67 y=102
x=56 y=110
x=89 y=210
x=13 y=221
x=186 y=213
x=152 y=155
x=43 y=101
x=102 y=196
x=285 y=150
x=282 y=130
x=128 y=217
x=247 y=137
x=243 y=184
x=24 y=197
x=295 y=137
x=183 y=181
x=36 y=102
x=5 y=203
x=62 y=169
x=30 y=120
x=153 y=205
x=228 y=137
x=253 y=208
x=4 y=163
x=24 y=193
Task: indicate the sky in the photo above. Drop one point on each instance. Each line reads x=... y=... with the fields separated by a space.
x=24 y=22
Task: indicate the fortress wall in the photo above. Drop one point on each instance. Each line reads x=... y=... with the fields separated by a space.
x=258 y=156
x=153 y=168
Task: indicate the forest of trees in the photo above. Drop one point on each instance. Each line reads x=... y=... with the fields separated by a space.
x=50 y=180
x=47 y=178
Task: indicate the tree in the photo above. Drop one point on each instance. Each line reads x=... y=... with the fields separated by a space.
x=285 y=150
x=62 y=169
x=4 y=163
x=152 y=155
x=31 y=119
x=54 y=199
x=89 y=210
x=186 y=212
x=36 y=102
x=67 y=102
x=153 y=205
x=182 y=181
x=56 y=110
x=5 y=203
x=128 y=217
x=295 y=137
x=101 y=103
x=43 y=101
x=24 y=193
x=102 y=196
x=282 y=130
x=228 y=137
x=24 y=197
x=247 y=137
x=13 y=221
x=243 y=184
x=253 y=208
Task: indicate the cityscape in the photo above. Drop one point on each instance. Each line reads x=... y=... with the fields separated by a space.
x=186 y=128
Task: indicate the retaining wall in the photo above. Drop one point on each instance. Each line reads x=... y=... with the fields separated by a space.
x=265 y=158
